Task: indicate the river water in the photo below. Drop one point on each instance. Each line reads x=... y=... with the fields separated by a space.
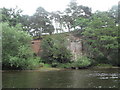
x=84 y=78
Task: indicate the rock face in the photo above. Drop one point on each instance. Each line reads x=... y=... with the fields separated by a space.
x=36 y=46
x=75 y=46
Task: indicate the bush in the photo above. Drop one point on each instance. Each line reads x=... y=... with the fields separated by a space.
x=82 y=61
x=22 y=63
x=63 y=65
x=17 y=52
x=54 y=50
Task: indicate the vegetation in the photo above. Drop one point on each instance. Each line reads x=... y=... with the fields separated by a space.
x=17 y=53
x=55 y=50
x=104 y=65
x=81 y=62
x=98 y=31
x=101 y=38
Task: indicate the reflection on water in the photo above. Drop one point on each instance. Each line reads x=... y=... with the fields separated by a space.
x=87 y=78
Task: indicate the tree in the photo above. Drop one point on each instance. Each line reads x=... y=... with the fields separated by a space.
x=81 y=23
x=54 y=50
x=74 y=12
x=16 y=48
x=57 y=18
x=12 y=15
x=114 y=12
x=49 y=29
x=68 y=21
x=101 y=38
x=40 y=21
x=119 y=12
x=25 y=20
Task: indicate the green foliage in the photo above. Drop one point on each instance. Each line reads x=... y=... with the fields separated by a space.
x=105 y=65
x=40 y=22
x=99 y=32
x=81 y=22
x=12 y=15
x=101 y=38
x=46 y=65
x=82 y=61
x=73 y=12
x=17 y=53
x=54 y=49
x=65 y=65
x=47 y=53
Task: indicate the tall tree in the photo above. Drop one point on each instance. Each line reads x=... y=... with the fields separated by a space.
x=101 y=38
x=73 y=12
x=57 y=19
x=26 y=22
x=40 y=20
x=114 y=12
x=11 y=15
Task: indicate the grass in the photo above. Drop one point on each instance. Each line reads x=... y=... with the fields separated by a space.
x=105 y=66
x=47 y=67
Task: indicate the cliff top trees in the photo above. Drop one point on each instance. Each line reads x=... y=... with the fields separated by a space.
x=101 y=35
x=12 y=16
x=35 y=25
x=41 y=22
x=73 y=12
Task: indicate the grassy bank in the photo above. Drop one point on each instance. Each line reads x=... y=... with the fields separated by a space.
x=49 y=67
x=105 y=66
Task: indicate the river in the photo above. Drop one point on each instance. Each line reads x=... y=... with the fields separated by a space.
x=83 y=78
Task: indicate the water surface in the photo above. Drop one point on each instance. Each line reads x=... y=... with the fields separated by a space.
x=85 y=78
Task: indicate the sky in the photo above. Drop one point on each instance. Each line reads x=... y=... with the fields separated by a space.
x=29 y=6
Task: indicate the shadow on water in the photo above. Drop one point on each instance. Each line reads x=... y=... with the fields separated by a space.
x=85 y=78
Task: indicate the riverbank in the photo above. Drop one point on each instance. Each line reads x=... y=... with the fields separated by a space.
x=49 y=68
x=105 y=66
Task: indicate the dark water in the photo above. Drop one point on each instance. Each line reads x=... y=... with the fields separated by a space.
x=86 y=78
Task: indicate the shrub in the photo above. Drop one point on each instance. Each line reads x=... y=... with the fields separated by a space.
x=54 y=49
x=82 y=61
x=16 y=45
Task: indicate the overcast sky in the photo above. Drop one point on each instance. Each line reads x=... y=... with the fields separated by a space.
x=30 y=6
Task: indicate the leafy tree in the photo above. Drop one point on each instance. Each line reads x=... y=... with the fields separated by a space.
x=81 y=23
x=54 y=50
x=119 y=12
x=40 y=21
x=77 y=10
x=12 y=15
x=57 y=17
x=113 y=13
x=16 y=46
x=47 y=53
x=68 y=21
x=101 y=36
x=49 y=29
x=74 y=12
x=25 y=20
